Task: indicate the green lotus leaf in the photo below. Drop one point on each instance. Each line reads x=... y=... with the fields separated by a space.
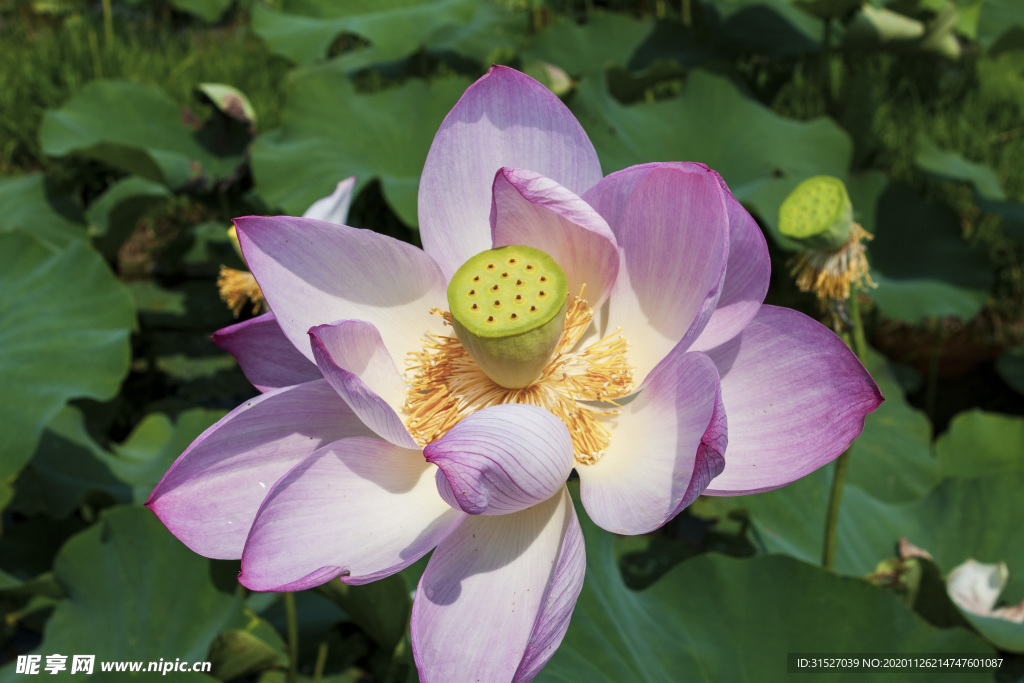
x=136 y=128
x=495 y=33
x=28 y=204
x=207 y=10
x=1001 y=25
x=380 y=608
x=1010 y=367
x=136 y=593
x=255 y=647
x=151 y=298
x=979 y=444
x=302 y=161
x=606 y=39
x=114 y=214
x=773 y=28
x=305 y=29
x=959 y=519
x=827 y=9
x=945 y=164
x=64 y=327
x=70 y=464
x=716 y=618
x=761 y=155
x=962 y=504
x=914 y=301
x=921 y=263
x=892 y=458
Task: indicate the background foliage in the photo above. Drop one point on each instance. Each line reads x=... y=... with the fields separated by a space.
x=133 y=131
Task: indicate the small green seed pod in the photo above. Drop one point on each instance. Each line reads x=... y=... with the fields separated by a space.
x=508 y=309
x=818 y=214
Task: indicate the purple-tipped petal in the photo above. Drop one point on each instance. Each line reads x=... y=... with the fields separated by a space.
x=361 y=509
x=312 y=272
x=504 y=119
x=666 y=447
x=502 y=459
x=538 y=212
x=796 y=397
x=266 y=356
x=352 y=357
x=671 y=223
x=210 y=495
x=746 y=278
x=497 y=595
x=334 y=207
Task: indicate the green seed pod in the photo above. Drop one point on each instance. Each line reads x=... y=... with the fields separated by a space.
x=818 y=214
x=508 y=309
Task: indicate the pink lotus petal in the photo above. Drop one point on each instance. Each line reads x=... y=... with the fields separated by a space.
x=746 y=278
x=502 y=459
x=209 y=496
x=352 y=357
x=504 y=119
x=796 y=398
x=671 y=223
x=666 y=447
x=361 y=509
x=266 y=356
x=334 y=207
x=497 y=595
x=538 y=212
x=312 y=272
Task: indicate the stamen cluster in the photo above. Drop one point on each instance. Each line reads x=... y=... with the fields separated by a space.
x=446 y=385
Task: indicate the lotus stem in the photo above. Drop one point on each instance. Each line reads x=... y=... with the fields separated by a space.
x=108 y=23
x=321 y=660
x=835 y=498
x=293 y=637
x=932 y=388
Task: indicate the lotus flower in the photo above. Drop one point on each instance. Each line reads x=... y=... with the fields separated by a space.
x=380 y=435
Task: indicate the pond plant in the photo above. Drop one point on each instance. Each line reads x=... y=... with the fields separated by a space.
x=556 y=320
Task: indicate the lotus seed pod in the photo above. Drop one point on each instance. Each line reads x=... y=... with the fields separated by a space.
x=508 y=309
x=818 y=214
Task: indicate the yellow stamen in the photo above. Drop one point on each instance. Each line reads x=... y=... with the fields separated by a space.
x=830 y=274
x=238 y=286
x=446 y=385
